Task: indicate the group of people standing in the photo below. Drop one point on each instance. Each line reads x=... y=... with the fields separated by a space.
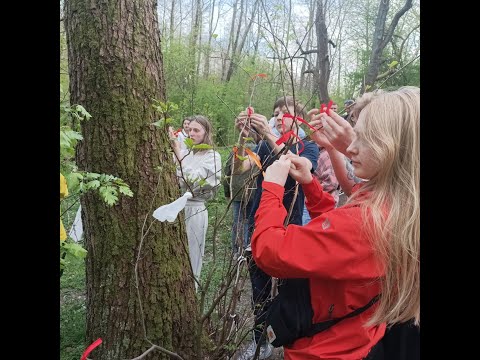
x=289 y=224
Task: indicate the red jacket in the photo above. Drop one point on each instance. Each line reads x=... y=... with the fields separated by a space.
x=339 y=261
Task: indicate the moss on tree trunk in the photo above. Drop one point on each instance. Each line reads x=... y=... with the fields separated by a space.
x=115 y=69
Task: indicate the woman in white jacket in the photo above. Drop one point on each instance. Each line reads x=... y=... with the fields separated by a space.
x=199 y=171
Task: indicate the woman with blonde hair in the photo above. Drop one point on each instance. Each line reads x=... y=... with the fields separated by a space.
x=199 y=172
x=368 y=247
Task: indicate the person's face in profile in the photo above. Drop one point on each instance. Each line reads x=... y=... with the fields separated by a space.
x=365 y=165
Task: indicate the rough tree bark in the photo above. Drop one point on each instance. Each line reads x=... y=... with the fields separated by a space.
x=115 y=69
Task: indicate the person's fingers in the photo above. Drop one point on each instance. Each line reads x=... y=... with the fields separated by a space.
x=317 y=124
x=334 y=125
x=296 y=160
x=290 y=156
x=313 y=112
x=328 y=131
x=256 y=121
x=338 y=119
x=259 y=117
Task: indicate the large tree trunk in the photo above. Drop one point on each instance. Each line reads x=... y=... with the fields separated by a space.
x=381 y=38
x=115 y=68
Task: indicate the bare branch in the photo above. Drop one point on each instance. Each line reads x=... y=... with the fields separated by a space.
x=393 y=24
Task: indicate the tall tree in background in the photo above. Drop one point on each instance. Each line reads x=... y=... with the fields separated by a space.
x=321 y=71
x=323 y=59
x=381 y=37
x=115 y=69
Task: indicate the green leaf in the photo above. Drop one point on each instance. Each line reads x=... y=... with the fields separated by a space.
x=73 y=179
x=243 y=158
x=214 y=36
x=92 y=175
x=94 y=184
x=74 y=135
x=82 y=111
x=393 y=64
x=188 y=142
x=65 y=141
x=158 y=123
x=75 y=249
x=109 y=195
x=125 y=190
x=202 y=182
x=248 y=139
x=202 y=146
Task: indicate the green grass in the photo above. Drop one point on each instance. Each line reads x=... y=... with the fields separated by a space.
x=72 y=309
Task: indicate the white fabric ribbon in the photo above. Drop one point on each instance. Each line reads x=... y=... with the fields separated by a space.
x=170 y=211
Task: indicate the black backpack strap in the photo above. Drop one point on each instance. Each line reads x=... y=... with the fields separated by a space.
x=324 y=325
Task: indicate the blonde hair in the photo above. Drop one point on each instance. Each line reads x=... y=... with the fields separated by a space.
x=203 y=121
x=391 y=212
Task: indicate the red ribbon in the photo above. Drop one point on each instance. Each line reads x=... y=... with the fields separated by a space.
x=262 y=75
x=298 y=118
x=235 y=152
x=286 y=136
x=90 y=348
x=326 y=108
x=249 y=111
x=177 y=131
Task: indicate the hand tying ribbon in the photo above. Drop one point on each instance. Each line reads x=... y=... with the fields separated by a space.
x=326 y=108
x=286 y=135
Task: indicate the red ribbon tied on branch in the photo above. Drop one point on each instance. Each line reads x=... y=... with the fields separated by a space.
x=326 y=108
x=262 y=75
x=175 y=133
x=286 y=135
x=90 y=348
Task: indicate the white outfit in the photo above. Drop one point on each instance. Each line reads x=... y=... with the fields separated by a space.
x=182 y=135
x=76 y=231
x=202 y=171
